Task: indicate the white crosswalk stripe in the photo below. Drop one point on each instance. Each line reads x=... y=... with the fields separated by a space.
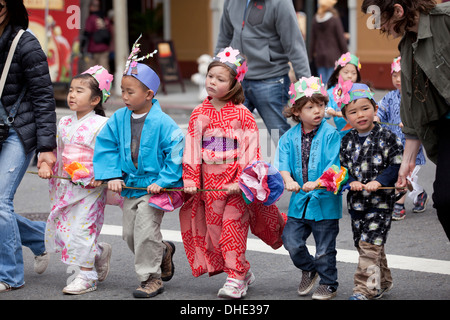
x=343 y=255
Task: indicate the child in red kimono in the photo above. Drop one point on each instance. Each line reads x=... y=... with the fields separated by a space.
x=222 y=140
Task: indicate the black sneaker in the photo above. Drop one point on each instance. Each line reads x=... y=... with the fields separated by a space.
x=420 y=204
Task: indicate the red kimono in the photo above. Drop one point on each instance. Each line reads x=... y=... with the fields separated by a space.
x=214 y=224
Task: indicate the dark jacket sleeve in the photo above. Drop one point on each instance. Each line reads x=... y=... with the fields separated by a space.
x=40 y=91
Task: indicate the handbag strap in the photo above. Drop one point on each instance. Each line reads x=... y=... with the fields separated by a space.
x=10 y=119
x=9 y=60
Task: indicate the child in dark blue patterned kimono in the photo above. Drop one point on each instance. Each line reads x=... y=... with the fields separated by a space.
x=389 y=116
x=141 y=147
x=304 y=153
x=372 y=154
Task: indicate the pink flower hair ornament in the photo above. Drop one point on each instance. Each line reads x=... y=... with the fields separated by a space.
x=347 y=58
x=306 y=87
x=341 y=92
x=104 y=79
x=233 y=59
x=346 y=92
x=396 y=65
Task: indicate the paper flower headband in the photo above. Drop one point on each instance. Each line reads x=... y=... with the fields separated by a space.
x=396 y=65
x=233 y=58
x=346 y=92
x=140 y=71
x=306 y=87
x=104 y=80
x=347 y=58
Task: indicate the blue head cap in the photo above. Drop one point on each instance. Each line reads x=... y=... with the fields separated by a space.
x=146 y=75
x=140 y=71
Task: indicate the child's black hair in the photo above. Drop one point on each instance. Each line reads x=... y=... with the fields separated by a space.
x=95 y=90
x=335 y=75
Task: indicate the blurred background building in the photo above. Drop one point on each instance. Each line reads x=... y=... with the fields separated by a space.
x=191 y=27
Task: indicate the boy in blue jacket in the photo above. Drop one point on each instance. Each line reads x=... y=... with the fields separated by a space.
x=304 y=153
x=141 y=147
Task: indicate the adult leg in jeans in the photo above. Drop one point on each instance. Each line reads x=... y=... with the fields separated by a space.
x=269 y=97
x=441 y=185
x=15 y=229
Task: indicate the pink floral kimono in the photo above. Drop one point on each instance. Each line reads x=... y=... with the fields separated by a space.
x=214 y=224
x=77 y=212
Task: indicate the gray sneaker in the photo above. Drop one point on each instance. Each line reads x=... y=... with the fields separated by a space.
x=102 y=263
x=41 y=262
x=307 y=283
x=324 y=292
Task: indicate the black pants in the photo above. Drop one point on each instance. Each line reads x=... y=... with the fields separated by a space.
x=441 y=194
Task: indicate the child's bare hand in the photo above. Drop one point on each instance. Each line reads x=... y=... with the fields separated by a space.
x=94 y=183
x=190 y=190
x=45 y=172
x=356 y=186
x=293 y=186
x=372 y=186
x=116 y=185
x=154 y=188
x=310 y=186
x=233 y=188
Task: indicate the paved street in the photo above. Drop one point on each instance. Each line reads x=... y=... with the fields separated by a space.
x=418 y=254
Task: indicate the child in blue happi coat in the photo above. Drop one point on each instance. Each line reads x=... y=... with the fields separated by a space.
x=304 y=153
x=141 y=147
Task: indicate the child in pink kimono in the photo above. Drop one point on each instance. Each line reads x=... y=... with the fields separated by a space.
x=222 y=140
x=77 y=212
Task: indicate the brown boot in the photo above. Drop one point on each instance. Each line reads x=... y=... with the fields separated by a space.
x=149 y=288
x=167 y=267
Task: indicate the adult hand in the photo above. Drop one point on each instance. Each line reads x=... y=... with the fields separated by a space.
x=48 y=157
x=410 y=152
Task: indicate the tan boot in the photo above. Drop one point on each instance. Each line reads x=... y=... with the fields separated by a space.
x=149 y=288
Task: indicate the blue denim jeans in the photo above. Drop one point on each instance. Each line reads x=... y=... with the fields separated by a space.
x=325 y=73
x=294 y=237
x=269 y=97
x=15 y=230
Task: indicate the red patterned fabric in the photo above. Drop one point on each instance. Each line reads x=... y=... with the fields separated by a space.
x=214 y=224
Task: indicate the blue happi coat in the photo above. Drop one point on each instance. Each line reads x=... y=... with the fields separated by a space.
x=160 y=152
x=318 y=204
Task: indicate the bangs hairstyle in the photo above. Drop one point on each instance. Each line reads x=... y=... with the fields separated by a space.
x=317 y=98
x=236 y=92
x=409 y=7
x=335 y=75
x=92 y=84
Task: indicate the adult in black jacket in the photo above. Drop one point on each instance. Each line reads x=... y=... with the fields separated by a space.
x=33 y=129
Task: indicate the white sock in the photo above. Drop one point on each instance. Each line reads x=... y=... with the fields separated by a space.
x=90 y=275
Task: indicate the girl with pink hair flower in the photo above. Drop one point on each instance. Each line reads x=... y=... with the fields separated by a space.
x=222 y=140
x=77 y=213
x=347 y=68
